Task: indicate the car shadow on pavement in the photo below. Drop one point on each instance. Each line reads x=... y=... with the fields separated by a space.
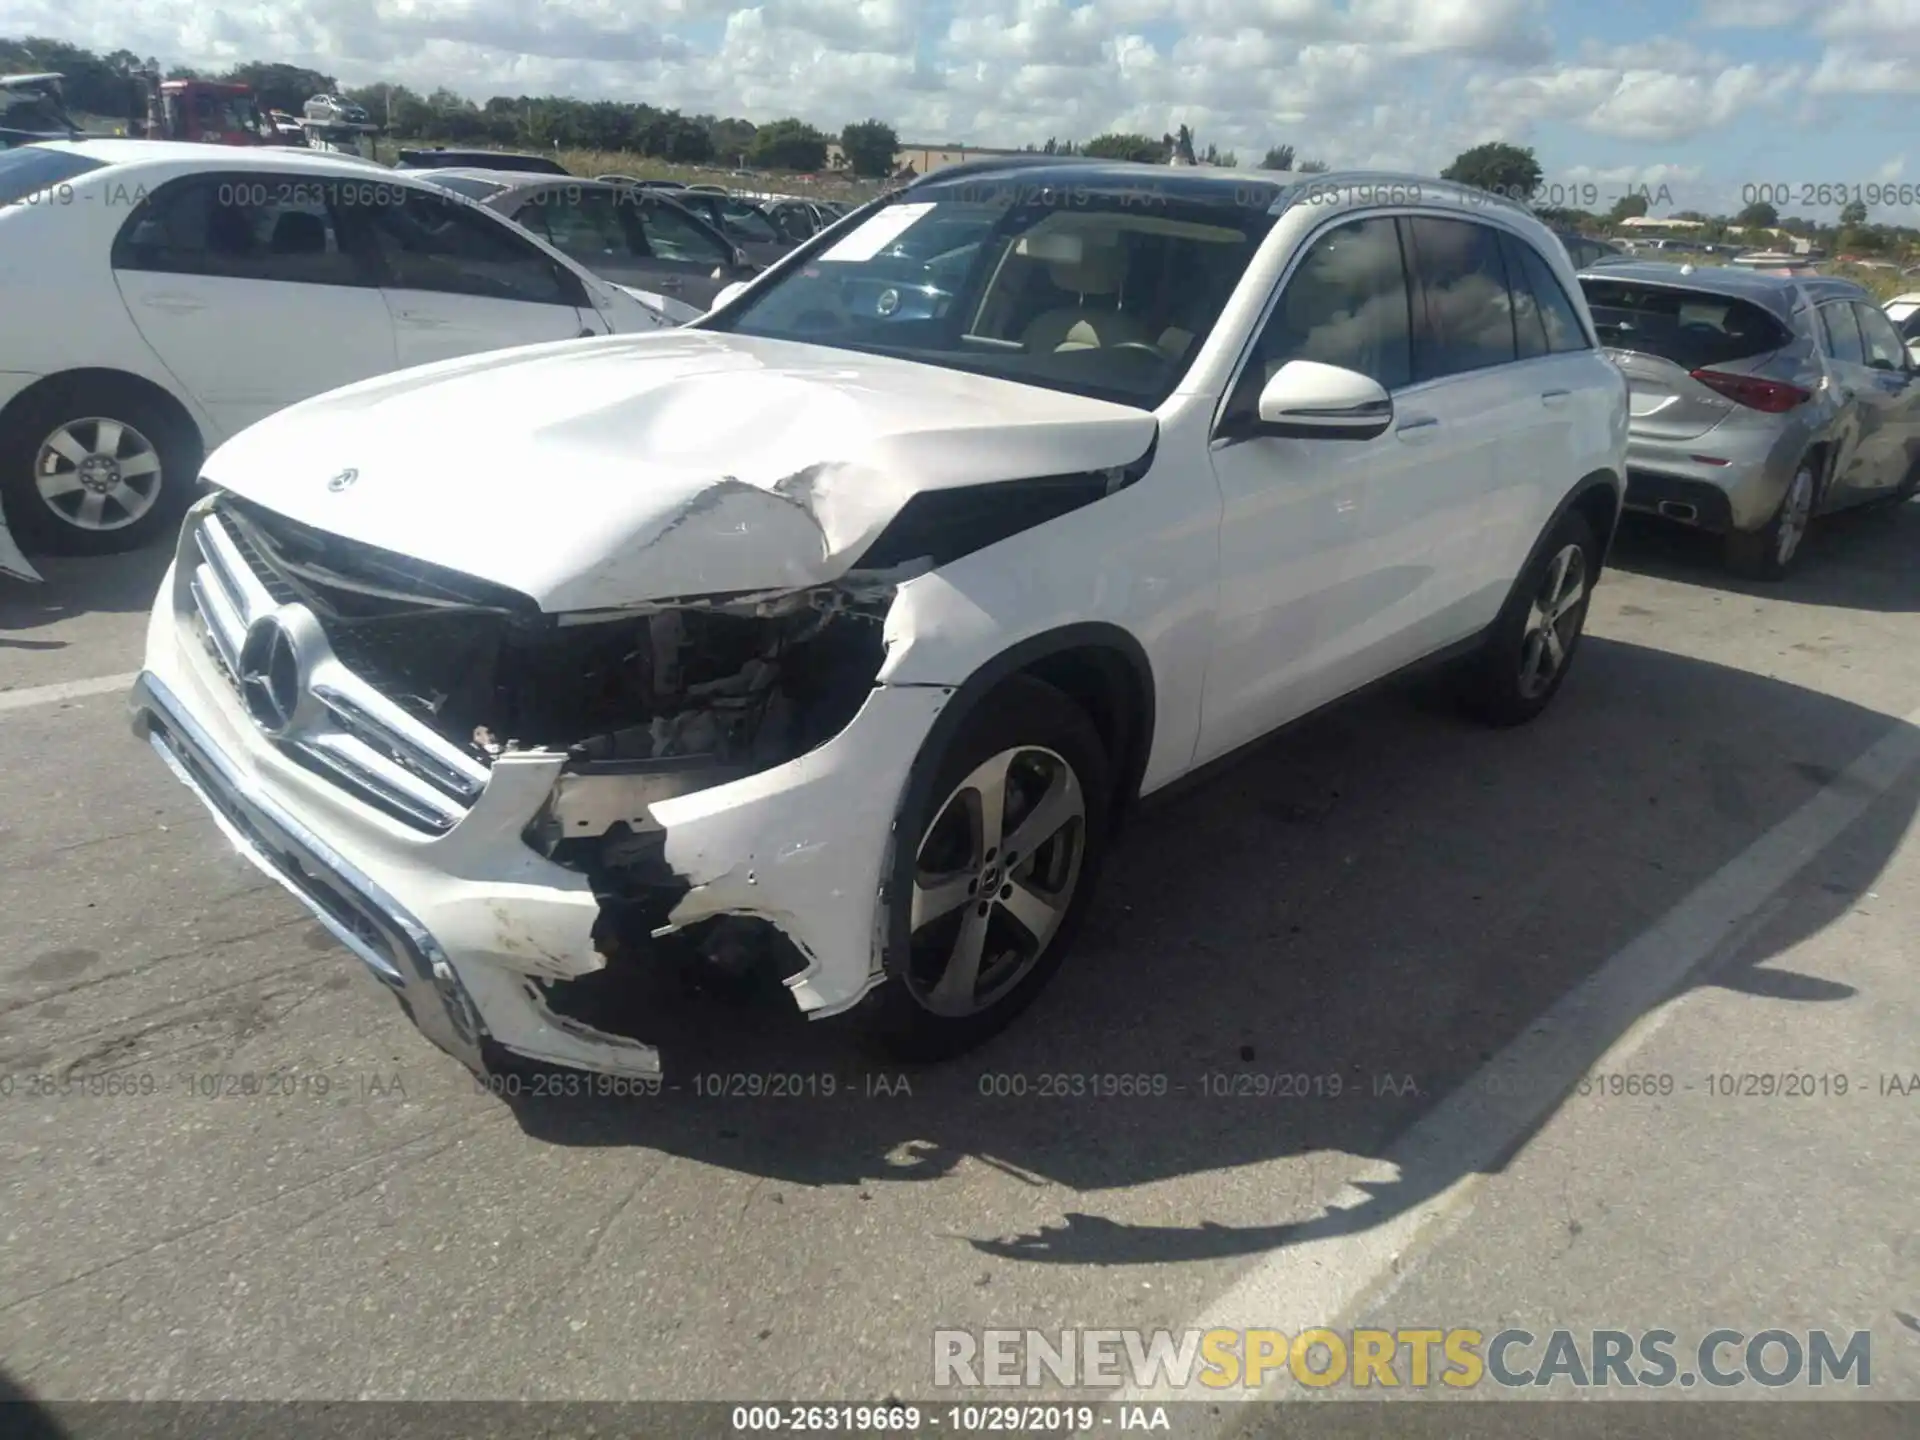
x=78 y=585
x=1860 y=559
x=1302 y=956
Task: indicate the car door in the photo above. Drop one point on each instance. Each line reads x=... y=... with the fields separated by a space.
x=1863 y=468
x=244 y=287
x=459 y=280
x=1443 y=547
x=1893 y=394
x=693 y=261
x=1296 y=596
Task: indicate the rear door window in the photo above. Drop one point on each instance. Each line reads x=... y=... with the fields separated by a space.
x=250 y=225
x=1695 y=329
x=1463 y=315
x=1843 y=333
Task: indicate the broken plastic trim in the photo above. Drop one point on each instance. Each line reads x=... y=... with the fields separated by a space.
x=941 y=526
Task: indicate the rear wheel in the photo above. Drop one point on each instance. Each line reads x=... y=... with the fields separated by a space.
x=95 y=469
x=1529 y=650
x=990 y=891
x=1769 y=553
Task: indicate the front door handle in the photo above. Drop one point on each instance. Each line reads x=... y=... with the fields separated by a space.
x=1554 y=397
x=1417 y=427
x=671 y=282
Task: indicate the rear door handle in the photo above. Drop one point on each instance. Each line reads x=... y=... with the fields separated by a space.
x=671 y=282
x=1417 y=427
x=1554 y=397
x=421 y=319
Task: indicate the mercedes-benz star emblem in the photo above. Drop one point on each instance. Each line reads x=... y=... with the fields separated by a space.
x=270 y=674
x=342 y=480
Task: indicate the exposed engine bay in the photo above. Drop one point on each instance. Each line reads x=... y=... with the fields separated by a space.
x=741 y=682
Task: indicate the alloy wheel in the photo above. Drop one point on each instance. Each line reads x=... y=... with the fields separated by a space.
x=1795 y=511
x=993 y=879
x=98 y=474
x=1553 y=621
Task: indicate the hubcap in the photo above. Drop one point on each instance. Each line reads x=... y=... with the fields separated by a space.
x=992 y=879
x=1794 y=514
x=98 y=474
x=1553 y=621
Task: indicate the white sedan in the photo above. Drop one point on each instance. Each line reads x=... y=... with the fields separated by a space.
x=162 y=297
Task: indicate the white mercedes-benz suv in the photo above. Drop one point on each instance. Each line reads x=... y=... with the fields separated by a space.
x=835 y=632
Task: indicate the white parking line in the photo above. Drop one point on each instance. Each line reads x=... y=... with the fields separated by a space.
x=65 y=690
x=1323 y=1279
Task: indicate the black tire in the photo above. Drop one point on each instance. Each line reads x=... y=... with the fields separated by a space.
x=1757 y=554
x=28 y=425
x=1500 y=688
x=1021 y=713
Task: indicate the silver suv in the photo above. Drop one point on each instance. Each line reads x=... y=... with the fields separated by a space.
x=1759 y=401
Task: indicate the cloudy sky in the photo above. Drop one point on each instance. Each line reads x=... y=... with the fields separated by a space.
x=1701 y=97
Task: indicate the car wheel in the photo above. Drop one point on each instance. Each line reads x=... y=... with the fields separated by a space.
x=97 y=469
x=1529 y=650
x=1769 y=553
x=992 y=884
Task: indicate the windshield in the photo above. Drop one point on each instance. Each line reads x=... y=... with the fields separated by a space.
x=1103 y=290
x=1694 y=329
x=35 y=173
x=747 y=222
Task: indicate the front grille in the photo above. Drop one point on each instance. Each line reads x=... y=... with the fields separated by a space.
x=343 y=727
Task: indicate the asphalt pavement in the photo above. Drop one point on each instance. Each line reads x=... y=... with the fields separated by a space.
x=229 y=1167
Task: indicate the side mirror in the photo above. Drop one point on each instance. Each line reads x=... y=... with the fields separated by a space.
x=1307 y=400
x=727 y=294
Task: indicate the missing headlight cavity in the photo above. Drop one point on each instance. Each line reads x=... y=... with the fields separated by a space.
x=941 y=526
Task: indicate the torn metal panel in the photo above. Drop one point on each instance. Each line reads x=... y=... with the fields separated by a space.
x=805 y=845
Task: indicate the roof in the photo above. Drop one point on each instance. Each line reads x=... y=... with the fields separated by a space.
x=213 y=157
x=8 y=81
x=1778 y=293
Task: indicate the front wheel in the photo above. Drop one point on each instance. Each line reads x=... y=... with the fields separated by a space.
x=96 y=469
x=994 y=875
x=1529 y=650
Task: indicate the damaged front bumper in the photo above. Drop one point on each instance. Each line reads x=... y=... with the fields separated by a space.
x=473 y=929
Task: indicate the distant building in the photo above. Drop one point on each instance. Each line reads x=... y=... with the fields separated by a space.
x=924 y=158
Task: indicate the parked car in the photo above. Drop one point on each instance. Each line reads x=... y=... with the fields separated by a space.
x=644 y=184
x=1585 y=250
x=623 y=233
x=336 y=110
x=839 y=645
x=441 y=158
x=796 y=220
x=1759 y=401
x=1904 y=312
x=161 y=296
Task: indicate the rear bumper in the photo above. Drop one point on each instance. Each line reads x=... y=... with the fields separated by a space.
x=1691 y=502
x=1741 y=494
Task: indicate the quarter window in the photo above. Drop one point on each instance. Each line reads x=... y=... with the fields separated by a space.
x=429 y=242
x=246 y=226
x=1536 y=290
x=1345 y=304
x=1464 y=319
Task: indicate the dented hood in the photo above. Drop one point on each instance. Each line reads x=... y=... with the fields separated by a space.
x=610 y=472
